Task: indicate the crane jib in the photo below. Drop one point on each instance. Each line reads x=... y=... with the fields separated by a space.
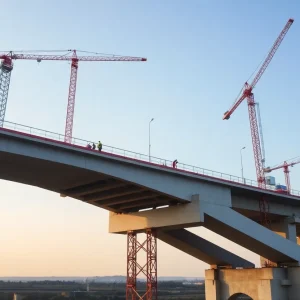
x=7 y=66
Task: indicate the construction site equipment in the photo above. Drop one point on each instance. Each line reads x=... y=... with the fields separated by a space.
x=248 y=94
x=71 y=56
x=135 y=269
x=285 y=166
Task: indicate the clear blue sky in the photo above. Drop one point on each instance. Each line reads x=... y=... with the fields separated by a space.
x=199 y=53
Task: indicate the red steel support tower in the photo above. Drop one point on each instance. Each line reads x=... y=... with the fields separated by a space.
x=151 y=265
x=6 y=68
x=131 y=266
x=247 y=93
x=134 y=269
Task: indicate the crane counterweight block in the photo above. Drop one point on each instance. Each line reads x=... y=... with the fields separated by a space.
x=6 y=65
x=226 y=116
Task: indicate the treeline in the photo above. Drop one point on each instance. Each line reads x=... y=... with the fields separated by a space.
x=70 y=290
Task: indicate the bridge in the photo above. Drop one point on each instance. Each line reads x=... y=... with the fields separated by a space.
x=144 y=194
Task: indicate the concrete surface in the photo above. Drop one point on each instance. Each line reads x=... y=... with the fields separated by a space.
x=286 y=228
x=202 y=249
x=117 y=183
x=259 y=284
x=221 y=219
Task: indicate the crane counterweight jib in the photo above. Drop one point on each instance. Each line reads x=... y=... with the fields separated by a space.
x=267 y=170
x=228 y=113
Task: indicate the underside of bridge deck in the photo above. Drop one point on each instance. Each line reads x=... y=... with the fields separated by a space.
x=118 y=196
x=91 y=187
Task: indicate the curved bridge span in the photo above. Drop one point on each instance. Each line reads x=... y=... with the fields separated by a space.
x=126 y=184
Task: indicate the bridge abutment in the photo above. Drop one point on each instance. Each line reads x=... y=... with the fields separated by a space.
x=258 y=284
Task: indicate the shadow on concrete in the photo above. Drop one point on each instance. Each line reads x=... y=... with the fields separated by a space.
x=239 y=296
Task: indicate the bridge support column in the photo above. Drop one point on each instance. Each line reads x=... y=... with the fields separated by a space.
x=134 y=269
x=257 y=284
x=290 y=229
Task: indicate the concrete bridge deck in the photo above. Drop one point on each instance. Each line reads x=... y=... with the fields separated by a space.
x=125 y=186
x=92 y=188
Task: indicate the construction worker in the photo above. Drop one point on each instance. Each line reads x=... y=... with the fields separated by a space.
x=89 y=146
x=99 y=146
x=175 y=162
x=93 y=146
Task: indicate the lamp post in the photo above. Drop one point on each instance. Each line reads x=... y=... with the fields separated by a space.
x=242 y=168
x=150 y=138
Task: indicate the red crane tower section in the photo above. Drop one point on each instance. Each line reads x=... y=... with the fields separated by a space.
x=7 y=66
x=247 y=93
x=285 y=165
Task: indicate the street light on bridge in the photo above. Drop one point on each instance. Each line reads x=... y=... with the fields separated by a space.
x=150 y=138
x=242 y=168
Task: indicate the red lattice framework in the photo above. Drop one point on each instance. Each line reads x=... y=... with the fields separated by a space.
x=134 y=269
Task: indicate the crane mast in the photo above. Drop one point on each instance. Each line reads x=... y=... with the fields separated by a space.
x=248 y=94
x=261 y=135
x=71 y=99
x=256 y=141
x=5 y=73
x=7 y=66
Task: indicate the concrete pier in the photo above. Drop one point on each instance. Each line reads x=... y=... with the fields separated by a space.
x=258 y=284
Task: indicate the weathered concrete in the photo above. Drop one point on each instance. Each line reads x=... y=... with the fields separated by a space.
x=259 y=284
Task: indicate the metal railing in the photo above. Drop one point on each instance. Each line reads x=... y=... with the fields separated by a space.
x=164 y=163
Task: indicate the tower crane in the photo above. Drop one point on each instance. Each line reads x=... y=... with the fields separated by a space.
x=71 y=56
x=285 y=165
x=247 y=93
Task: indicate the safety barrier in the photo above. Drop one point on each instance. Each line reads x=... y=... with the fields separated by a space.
x=137 y=156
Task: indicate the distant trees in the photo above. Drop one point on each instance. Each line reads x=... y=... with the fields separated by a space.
x=71 y=290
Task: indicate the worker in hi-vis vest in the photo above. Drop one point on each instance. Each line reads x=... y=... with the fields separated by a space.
x=99 y=146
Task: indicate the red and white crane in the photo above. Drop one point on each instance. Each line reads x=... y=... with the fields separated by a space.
x=248 y=94
x=285 y=165
x=71 y=56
